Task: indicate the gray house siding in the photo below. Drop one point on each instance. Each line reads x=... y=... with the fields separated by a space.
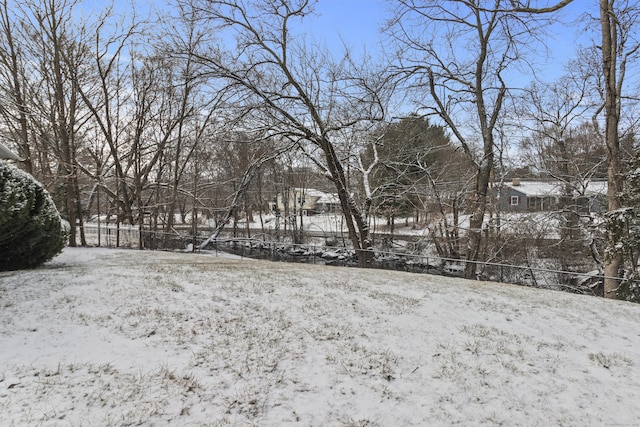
x=512 y=200
x=536 y=196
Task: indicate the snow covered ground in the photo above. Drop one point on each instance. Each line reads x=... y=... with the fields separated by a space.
x=111 y=337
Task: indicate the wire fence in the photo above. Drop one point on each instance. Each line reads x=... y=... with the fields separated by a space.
x=590 y=283
x=265 y=247
x=112 y=235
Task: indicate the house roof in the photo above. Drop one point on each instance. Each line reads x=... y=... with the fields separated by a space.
x=6 y=154
x=323 y=198
x=556 y=188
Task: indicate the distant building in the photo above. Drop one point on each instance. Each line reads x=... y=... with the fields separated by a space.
x=533 y=196
x=307 y=200
x=6 y=154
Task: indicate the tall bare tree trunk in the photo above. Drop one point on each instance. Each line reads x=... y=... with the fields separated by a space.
x=475 y=239
x=612 y=262
x=52 y=22
x=357 y=223
x=10 y=60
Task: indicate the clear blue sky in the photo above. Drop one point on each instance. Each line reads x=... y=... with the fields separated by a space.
x=357 y=22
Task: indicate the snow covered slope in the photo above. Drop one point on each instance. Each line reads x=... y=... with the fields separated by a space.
x=112 y=337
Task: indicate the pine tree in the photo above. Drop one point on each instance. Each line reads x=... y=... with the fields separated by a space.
x=31 y=229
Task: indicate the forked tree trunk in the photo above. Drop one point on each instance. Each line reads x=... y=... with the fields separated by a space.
x=357 y=225
x=475 y=239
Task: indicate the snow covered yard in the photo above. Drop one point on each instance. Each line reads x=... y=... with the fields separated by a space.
x=113 y=337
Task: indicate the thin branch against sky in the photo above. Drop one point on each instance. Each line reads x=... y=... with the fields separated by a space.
x=355 y=25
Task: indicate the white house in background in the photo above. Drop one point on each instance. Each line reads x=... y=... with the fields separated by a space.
x=6 y=154
x=309 y=200
x=532 y=196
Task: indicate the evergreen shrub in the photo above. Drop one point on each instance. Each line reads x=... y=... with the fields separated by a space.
x=31 y=229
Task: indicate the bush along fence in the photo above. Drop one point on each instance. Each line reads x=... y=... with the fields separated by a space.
x=589 y=283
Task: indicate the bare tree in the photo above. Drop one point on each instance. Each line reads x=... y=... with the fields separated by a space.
x=256 y=151
x=104 y=92
x=296 y=89
x=58 y=53
x=196 y=107
x=461 y=52
x=557 y=119
x=416 y=170
x=14 y=108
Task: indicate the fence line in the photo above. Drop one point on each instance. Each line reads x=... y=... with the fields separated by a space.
x=578 y=282
x=112 y=235
x=131 y=236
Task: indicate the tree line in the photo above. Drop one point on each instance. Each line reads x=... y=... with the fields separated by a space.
x=211 y=107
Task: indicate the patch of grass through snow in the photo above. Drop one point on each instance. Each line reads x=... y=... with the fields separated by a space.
x=610 y=360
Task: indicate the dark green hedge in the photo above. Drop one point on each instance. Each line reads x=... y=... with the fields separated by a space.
x=31 y=230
